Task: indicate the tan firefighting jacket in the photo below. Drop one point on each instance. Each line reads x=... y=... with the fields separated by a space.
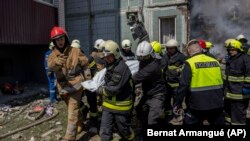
x=73 y=72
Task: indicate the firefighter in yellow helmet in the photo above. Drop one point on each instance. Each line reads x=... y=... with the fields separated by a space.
x=237 y=87
x=117 y=92
x=202 y=77
x=175 y=63
x=161 y=55
x=245 y=45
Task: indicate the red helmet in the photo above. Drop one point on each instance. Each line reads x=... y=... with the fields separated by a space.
x=202 y=44
x=57 y=32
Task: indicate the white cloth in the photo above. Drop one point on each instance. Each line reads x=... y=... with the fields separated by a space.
x=97 y=81
x=133 y=65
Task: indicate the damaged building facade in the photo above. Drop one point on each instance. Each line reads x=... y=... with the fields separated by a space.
x=24 y=38
x=88 y=20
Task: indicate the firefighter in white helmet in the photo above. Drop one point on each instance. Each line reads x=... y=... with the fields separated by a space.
x=117 y=92
x=151 y=106
x=175 y=62
x=126 y=51
x=244 y=43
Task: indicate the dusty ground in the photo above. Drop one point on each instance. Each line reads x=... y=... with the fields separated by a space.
x=15 y=108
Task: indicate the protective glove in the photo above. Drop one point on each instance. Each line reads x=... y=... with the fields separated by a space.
x=246 y=91
x=177 y=110
x=60 y=60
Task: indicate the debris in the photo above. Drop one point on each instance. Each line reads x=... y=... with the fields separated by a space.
x=16 y=136
x=58 y=123
x=58 y=137
x=48 y=132
x=38 y=108
x=32 y=139
x=49 y=110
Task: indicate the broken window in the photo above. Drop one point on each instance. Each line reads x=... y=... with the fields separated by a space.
x=167 y=29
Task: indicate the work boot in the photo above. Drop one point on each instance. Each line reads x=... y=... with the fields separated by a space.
x=93 y=126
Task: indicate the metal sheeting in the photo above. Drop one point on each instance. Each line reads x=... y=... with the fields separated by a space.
x=26 y=22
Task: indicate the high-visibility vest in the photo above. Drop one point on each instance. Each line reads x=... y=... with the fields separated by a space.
x=206 y=73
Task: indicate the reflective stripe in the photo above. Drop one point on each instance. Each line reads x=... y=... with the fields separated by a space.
x=173 y=85
x=238 y=123
x=92 y=64
x=93 y=114
x=131 y=84
x=168 y=112
x=119 y=103
x=227 y=119
x=235 y=78
x=236 y=96
x=247 y=79
x=115 y=107
x=206 y=88
x=52 y=91
x=172 y=67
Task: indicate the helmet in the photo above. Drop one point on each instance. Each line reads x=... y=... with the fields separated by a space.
x=235 y=44
x=209 y=45
x=202 y=44
x=241 y=37
x=51 y=45
x=76 y=44
x=172 y=43
x=111 y=47
x=126 y=44
x=57 y=32
x=144 y=49
x=99 y=44
x=156 y=47
x=226 y=44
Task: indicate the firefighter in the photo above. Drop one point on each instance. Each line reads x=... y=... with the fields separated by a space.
x=71 y=68
x=117 y=92
x=237 y=87
x=98 y=48
x=126 y=52
x=172 y=75
x=150 y=109
x=205 y=45
x=201 y=76
x=244 y=43
x=50 y=75
x=96 y=61
x=158 y=49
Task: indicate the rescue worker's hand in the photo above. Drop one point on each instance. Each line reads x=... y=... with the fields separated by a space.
x=176 y=110
x=60 y=60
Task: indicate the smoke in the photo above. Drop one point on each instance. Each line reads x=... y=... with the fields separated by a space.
x=218 y=20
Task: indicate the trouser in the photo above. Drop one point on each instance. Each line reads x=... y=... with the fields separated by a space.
x=72 y=101
x=236 y=111
x=197 y=117
x=171 y=93
x=92 y=101
x=151 y=109
x=123 y=124
x=52 y=89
